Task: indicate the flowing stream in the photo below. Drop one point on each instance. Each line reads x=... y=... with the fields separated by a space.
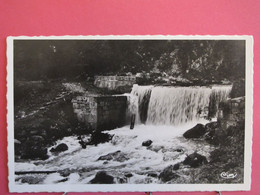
x=163 y=114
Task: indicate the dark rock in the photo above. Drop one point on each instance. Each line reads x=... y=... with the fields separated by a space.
x=147 y=143
x=98 y=137
x=83 y=144
x=116 y=156
x=195 y=132
x=168 y=174
x=176 y=166
x=128 y=175
x=152 y=174
x=60 y=148
x=195 y=160
x=65 y=172
x=180 y=150
x=121 y=180
x=102 y=178
x=62 y=180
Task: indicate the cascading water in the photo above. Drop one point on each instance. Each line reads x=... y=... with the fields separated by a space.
x=139 y=101
x=175 y=105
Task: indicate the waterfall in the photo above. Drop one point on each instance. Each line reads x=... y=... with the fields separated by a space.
x=139 y=101
x=176 y=105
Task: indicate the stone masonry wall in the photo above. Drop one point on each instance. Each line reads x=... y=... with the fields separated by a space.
x=118 y=83
x=111 y=112
x=101 y=112
x=85 y=108
x=231 y=112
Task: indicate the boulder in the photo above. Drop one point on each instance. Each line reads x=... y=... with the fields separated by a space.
x=180 y=150
x=168 y=174
x=98 y=137
x=195 y=160
x=128 y=175
x=195 y=132
x=147 y=143
x=102 y=178
x=152 y=174
x=60 y=148
x=116 y=156
x=176 y=166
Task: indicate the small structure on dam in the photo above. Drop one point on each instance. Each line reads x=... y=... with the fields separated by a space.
x=101 y=112
x=120 y=84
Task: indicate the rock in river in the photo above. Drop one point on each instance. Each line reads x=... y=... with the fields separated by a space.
x=116 y=156
x=195 y=132
x=147 y=143
x=60 y=148
x=102 y=178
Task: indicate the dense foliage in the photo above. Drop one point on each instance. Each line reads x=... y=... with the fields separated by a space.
x=191 y=59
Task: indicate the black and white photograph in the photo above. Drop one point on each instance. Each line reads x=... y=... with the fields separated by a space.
x=129 y=113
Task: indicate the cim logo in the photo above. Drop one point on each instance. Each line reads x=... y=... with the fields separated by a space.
x=227 y=175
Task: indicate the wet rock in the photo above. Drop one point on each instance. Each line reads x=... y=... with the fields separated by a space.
x=195 y=160
x=62 y=180
x=128 y=175
x=152 y=174
x=83 y=144
x=116 y=156
x=60 y=148
x=102 y=178
x=147 y=143
x=121 y=180
x=168 y=174
x=98 y=137
x=180 y=150
x=65 y=172
x=195 y=132
x=176 y=166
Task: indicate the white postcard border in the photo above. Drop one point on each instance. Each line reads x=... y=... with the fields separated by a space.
x=132 y=187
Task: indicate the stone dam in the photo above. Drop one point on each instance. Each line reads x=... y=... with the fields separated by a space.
x=154 y=105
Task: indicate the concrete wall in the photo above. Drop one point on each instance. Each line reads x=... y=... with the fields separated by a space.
x=101 y=112
x=118 y=83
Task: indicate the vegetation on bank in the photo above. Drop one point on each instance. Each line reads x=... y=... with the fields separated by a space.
x=209 y=60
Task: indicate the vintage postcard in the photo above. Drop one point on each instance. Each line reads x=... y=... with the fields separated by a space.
x=129 y=113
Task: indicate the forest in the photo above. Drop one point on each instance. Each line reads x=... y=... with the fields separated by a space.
x=210 y=60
